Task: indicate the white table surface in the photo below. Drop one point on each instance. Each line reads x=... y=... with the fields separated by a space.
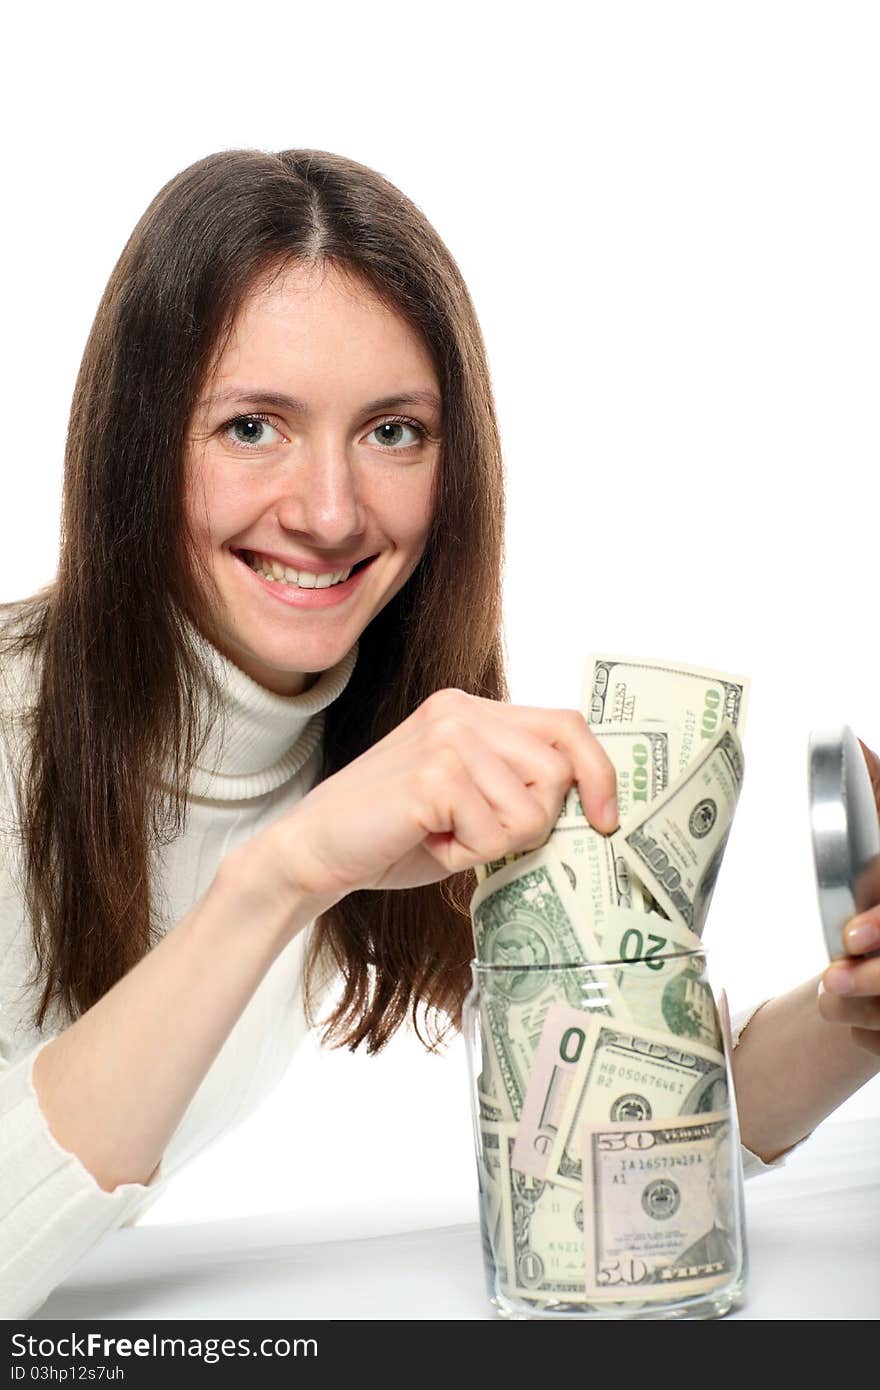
x=813 y=1232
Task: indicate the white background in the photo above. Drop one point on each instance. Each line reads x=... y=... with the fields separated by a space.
x=668 y=217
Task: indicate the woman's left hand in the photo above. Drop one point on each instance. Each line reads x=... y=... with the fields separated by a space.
x=850 y=990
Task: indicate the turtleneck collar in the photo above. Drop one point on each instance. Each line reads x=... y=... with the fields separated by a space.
x=261 y=739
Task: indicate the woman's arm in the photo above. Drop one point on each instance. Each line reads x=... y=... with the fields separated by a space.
x=115 y=1084
x=803 y=1054
x=795 y=1063
x=431 y=797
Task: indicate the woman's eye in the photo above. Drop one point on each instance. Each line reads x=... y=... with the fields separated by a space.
x=250 y=432
x=389 y=433
x=247 y=431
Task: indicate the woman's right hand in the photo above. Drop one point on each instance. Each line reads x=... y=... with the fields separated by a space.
x=462 y=781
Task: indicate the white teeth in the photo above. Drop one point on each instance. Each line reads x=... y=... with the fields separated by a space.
x=305 y=579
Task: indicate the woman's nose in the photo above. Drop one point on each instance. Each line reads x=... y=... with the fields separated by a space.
x=323 y=496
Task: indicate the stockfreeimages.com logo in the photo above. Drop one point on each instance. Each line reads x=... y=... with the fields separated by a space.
x=93 y=1345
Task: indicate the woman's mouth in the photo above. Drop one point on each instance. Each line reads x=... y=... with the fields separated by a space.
x=303 y=589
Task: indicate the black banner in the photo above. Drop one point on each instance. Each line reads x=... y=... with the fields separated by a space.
x=272 y=1353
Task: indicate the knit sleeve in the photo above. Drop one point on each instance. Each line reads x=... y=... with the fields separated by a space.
x=52 y=1209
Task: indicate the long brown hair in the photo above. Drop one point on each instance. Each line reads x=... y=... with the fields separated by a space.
x=115 y=710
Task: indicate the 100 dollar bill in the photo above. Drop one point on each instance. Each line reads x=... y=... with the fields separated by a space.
x=689 y=701
x=640 y=756
x=676 y=846
x=599 y=876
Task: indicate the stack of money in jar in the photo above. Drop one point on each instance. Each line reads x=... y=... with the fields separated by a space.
x=581 y=1066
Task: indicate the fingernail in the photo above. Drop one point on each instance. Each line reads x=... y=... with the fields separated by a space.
x=839 y=981
x=610 y=814
x=862 y=936
x=821 y=990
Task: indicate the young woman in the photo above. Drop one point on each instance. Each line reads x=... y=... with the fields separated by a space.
x=256 y=734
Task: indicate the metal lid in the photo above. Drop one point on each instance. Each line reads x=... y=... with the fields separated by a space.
x=845 y=829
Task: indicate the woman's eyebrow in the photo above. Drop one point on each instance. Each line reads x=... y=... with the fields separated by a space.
x=247 y=395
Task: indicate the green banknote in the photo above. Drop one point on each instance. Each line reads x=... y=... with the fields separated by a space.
x=676 y=846
x=633 y=1073
x=660 y=1208
x=690 y=702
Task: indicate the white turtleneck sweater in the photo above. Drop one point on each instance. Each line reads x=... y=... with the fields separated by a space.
x=261 y=758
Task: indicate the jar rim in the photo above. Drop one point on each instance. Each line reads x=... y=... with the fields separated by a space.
x=492 y=967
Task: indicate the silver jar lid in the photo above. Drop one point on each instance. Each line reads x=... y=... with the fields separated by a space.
x=845 y=829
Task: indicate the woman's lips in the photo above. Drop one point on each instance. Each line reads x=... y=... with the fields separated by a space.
x=295 y=597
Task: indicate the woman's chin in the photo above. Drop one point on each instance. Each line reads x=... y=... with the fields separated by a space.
x=285 y=672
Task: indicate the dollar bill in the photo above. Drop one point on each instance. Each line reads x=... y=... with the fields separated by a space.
x=626 y=1074
x=484 y=871
x=513 y=1010
x=493 y=1212
x=599 y=876
x=494 y=1104
x=526 y=915
x=646 y=940
x=543 y=1238
x=662 y=983
x=489 y=1107
x=573 y=832
x=659 y=1201
x=689 y=701
x=527 y=920
x=661 y=978
x=563 y=1038
x=641 y=762
x=676 y=846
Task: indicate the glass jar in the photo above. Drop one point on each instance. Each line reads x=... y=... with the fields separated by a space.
x=608 y=1159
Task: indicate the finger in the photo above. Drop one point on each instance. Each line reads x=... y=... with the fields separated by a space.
x=873 y=763
x=546 y=772
x=862 y=933
x=468 y=825
x=525 y=805
x=867 y=1039
x=863 y=1012
x=462 y=829
x=564 y=729
x=853 y=978
x=594 y=772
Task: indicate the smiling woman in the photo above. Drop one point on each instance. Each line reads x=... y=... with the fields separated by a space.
x=284 y=412
x=266 y=315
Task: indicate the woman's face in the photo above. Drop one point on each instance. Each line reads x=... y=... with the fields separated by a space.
x=303 y=463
